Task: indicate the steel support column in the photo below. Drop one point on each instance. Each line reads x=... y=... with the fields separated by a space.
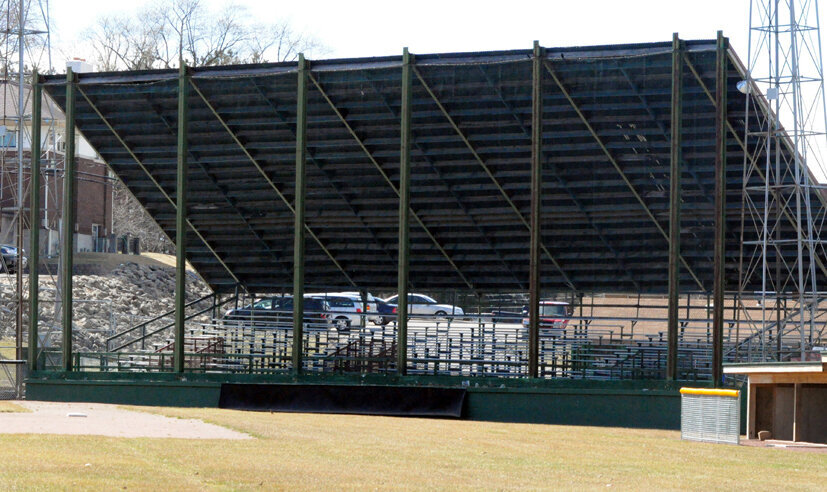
x=536 y=210
x=34 y=221
x=68 y=224
x=675 y=209
x=298 y=216
x=404 y=226
x=181 y=218
x=720 y=208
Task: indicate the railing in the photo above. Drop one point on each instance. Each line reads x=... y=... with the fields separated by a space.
x=146 y=333
x=488 y=345
x=364 y=356
x=787 y=344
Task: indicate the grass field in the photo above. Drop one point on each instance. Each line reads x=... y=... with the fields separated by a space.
x=324 y=452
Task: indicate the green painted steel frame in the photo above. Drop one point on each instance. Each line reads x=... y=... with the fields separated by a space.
x=408 y=68
x=722 y=45
x=34 y=221
x=536 y=211
x=181 y=217
x=298 y=216
x=404 y=216
x=68 y=224
x=675 y=208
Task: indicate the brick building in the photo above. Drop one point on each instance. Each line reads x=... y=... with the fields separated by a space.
x=94 y=185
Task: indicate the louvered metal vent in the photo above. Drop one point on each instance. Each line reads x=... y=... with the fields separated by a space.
x=710 y=415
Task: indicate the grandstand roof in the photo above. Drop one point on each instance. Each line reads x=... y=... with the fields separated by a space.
x=605 y=196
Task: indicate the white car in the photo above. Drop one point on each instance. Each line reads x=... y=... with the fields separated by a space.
x=419 y=304
x=345 y=311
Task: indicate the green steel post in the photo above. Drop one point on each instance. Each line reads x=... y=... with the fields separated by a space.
x=536 y=207
x=675 y=209
x=404 y=226
x=34 y=221
x=181 y=218
x=720 y=208
x=298 y=217
x=68 y=226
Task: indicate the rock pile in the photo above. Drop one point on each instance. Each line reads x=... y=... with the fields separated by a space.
x=103 y=304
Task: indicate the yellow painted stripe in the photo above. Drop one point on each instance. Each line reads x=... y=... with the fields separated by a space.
x=710 y=392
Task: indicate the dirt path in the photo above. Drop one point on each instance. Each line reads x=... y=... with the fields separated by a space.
x=105 y=420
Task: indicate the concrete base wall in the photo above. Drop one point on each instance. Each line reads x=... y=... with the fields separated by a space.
x=644 y=404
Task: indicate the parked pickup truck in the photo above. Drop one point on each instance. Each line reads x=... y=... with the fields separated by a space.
x=553 y=314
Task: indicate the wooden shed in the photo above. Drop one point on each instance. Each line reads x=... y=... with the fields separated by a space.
x=786 y=398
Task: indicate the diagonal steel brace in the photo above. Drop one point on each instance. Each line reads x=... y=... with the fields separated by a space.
x=617 y=167
x=269 y=181
x=388 y=180
x=491 y=175
x=154 y=181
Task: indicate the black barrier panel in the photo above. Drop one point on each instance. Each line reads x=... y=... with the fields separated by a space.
x=367 y=400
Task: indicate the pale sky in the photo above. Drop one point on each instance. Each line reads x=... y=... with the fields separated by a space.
x=376 y=28
x=373 y=28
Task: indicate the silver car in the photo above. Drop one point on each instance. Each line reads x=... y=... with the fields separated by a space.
x=419 y=304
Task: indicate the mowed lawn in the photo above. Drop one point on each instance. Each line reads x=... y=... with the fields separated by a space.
x=329 y=452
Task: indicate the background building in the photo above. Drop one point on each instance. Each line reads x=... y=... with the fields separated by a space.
x=94 y=185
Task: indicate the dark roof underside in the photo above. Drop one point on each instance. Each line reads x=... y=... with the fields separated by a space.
x=473 y=224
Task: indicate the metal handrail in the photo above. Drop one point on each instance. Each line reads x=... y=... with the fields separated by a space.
x=170 y=325
x=156 y=318
x=788 y=327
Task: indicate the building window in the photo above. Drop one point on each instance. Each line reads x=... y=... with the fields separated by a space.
x=8 y=139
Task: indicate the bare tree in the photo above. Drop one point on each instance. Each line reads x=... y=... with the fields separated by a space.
x=170 y=30
x=129 y=218
x=123 y=43
x=166 y=32
x=34 y=22
x=278 y=42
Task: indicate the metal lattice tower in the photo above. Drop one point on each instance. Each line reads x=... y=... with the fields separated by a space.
x=25 y=44
x=785 y=97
